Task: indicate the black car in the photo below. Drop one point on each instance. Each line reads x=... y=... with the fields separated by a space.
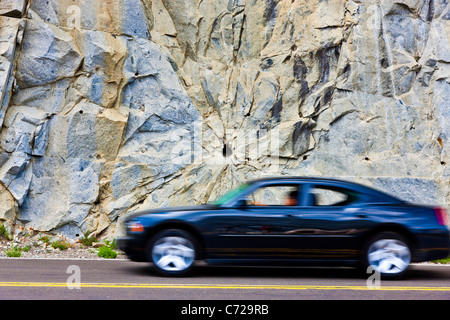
x=291 y=221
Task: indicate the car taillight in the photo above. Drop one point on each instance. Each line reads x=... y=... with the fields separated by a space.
x=441 y=216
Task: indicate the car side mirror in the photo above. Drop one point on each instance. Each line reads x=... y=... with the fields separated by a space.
x=241 y=203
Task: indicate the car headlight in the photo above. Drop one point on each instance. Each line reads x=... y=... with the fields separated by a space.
x=135 y=227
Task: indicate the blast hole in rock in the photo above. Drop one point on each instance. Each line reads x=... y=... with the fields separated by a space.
x=226 y=151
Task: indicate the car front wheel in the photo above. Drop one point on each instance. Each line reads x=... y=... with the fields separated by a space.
x=172 y=252
x=389 y=254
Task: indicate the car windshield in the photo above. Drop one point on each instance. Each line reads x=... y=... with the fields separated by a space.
x=229 y=195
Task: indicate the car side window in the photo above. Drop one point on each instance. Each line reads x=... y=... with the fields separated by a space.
x=283 y=195
x=330 y=196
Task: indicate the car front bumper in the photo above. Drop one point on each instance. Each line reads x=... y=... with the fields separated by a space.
x=132 y=247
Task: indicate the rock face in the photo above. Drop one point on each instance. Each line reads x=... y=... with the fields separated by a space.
x=111 y=106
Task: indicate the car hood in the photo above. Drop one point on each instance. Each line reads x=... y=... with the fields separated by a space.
x=167 y=210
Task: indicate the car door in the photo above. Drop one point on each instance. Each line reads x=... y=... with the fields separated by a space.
x=260 y=227
x=330 y=223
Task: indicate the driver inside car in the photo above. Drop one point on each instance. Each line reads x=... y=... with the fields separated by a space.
x=292 y=198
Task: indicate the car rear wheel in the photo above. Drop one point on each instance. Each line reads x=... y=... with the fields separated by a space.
x=172 y=252
x=389 y=254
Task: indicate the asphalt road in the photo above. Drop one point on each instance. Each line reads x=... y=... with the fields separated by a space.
x=45 y=279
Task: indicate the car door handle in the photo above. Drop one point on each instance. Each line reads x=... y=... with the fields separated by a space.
x=294 y=215
x=355 y=212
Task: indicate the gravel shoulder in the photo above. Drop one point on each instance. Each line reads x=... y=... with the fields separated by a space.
x=28 y=244
x=77 y=251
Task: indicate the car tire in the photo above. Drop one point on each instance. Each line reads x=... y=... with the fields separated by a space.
x=172 y=252
x=389 y=254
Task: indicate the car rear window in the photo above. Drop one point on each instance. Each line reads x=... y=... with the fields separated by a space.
x=330 y=196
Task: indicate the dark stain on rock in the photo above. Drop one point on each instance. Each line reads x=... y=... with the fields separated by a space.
x=173 y=64
x=324 y=65
x=328 y=95
x=276 y=110
x=300 y=70
x=270 y=11
x=266 y=64
x=431 y=10
x=327 y=56
x=301 y=136
x=347 y=70
x=304 y=89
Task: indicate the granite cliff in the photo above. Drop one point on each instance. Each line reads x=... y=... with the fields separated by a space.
x=109 y=106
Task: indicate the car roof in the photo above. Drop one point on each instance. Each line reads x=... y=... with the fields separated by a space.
x=335 y=182
x=305 y=179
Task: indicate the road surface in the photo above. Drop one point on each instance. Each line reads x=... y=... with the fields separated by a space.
x=55 y=279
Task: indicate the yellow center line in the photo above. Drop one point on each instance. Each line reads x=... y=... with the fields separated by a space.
x=216 y=286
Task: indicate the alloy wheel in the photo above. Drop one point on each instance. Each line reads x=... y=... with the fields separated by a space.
x=173 y=253
x=389 y=256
